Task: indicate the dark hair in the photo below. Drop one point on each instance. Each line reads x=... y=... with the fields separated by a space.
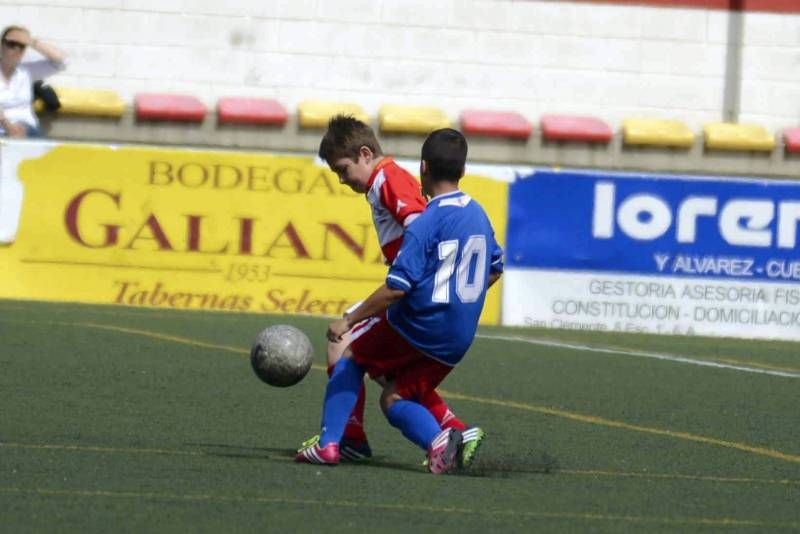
x=445 y=153
x=345 y=137
x=9 y=29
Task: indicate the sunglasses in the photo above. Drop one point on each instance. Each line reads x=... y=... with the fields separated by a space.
x=14 y=44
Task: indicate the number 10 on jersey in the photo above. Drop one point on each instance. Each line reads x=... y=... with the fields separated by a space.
x=467 y=290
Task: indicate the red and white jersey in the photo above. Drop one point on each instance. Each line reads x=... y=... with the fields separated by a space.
x=396 y=200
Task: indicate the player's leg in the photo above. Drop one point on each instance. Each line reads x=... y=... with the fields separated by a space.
x=398 y=400
x=354 y=445
x=341 y=395
x=420 y=427
x=441 y=411
x=368 y=351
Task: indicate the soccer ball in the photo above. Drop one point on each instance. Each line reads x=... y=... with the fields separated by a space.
x=281 y=355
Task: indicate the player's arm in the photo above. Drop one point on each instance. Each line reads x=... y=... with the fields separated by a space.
x=402 y=277
x=497 y=266
x=381 y=298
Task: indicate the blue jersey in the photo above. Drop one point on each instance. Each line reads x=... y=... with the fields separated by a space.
x=443 y=266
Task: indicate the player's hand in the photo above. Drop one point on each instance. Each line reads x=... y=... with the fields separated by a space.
x=337 y=329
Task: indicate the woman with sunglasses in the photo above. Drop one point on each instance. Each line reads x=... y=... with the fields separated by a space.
x=16 y=85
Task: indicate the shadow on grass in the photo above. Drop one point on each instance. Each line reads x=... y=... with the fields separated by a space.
x=539 y=463
x=224 y=450
x=382 y=463
x=533 y=463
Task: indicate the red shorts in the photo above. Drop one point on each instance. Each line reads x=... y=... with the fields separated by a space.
x=378 y=348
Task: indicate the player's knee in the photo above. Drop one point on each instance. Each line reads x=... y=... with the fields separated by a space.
x=334 y=352
x=338 y=349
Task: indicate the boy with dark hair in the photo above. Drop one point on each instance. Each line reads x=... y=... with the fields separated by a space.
x=353 y=152
x=419 y=324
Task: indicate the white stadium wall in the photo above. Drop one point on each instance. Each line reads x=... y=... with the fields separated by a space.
x=606 y=59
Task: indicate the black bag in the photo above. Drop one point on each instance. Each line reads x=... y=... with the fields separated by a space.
x=47 y=94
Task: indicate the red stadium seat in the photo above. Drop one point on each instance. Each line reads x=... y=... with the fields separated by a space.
x=169 y=107
x=791 y=138
x=233 y=110
x=575 y=128
x=495 y=124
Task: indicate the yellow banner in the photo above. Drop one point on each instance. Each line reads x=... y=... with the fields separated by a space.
x=195 y=230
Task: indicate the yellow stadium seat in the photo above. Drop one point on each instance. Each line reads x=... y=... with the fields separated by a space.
x=729 y=136
x=412 y=119
x=316 y=114
x=657 y=132
x=93 y=102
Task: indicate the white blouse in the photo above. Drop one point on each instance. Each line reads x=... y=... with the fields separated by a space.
x=16 y=94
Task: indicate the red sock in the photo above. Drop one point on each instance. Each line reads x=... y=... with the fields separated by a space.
x=436 y=405
x=355 y=425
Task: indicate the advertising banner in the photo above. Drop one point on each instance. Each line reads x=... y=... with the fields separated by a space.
x=647 y=253
x=141 y=226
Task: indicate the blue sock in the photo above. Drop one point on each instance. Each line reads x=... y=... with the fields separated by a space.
x=414 y=421
x=340 y=399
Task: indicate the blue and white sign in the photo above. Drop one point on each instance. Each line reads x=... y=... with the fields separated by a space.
x=680 y=226
x=654 y=253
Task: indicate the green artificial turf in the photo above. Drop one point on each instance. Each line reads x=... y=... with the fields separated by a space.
x=132 y=420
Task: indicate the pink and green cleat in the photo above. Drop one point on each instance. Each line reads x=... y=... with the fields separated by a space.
x=443 y=452
x=350 y=450
x=311 y=453
x=473 y=437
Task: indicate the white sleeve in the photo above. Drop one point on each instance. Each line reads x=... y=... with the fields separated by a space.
x=43 y=68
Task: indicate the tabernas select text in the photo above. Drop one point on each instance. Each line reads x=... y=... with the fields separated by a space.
x=133 y=293
x=281 y=300
x=159 y=295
